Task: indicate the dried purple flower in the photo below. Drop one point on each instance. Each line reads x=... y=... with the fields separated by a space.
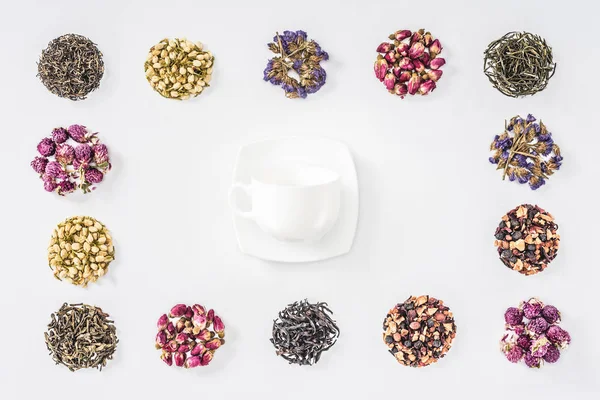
x=78 y=133
x=524 y=342
x=540 y=346
x=39 y=164
x=83 y=153
x=60 y=135
x=65 y=154
x=537 y=325
x=551 y=314
x=515 y=354
x=513 y=316
x=46 y=147
x=558 y=336
x=531 y=361
x=100 y=154
x=49 y=185
x=66 y=186
x=532 y=308
x=93 y=175
x=552 y=355
x=55 y=170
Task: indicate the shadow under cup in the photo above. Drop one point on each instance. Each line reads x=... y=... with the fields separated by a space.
x=292 y=203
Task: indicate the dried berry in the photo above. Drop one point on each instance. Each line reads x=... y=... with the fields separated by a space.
x=533 y=227
x=424 y=328
x=410 y=63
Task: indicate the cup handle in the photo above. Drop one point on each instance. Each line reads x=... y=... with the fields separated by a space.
x=233 y=205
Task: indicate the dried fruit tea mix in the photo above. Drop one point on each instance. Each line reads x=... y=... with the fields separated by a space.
x=527 y=239
x=419 y=331
x=533 y=335
x=189 y=336
x=410 y=63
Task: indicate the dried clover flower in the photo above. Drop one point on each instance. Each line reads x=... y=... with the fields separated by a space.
x=527 y=240
x=189 y=336
x=526 y=152
x=81 y=166
x=536 y=340
x=296 y=53
x=410 y=64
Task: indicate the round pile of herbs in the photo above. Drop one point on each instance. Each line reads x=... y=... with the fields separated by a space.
x=179 y=69
x=71 y=66
x=303 y=332
x=81 y=336
x=519 y=64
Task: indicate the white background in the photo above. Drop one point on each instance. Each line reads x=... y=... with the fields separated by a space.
x=429 y=199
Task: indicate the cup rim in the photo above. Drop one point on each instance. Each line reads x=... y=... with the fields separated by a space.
x=333 y=177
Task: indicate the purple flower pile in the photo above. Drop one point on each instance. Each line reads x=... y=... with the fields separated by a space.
x=295 y=53
x=410 y=63
x=533 y=335
x=526 y=152
x=64 y=167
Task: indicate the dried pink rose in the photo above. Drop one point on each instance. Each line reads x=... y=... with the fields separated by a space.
x=193 y=362
x=178 y=310
x=179 y=359
x=162 y=322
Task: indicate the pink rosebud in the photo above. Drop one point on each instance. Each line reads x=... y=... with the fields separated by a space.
x=207 y=357
x=391 y=57
x=179 y=359
x=180 y=325
x=400 y=90
x=188 y=313
x=427 y=38
x=181 y=338
x=437 y=63
x=419 y=66
x=404 y=77
x=178 y=310
x=205 y=335
x=198 y=309
x=403 y=48
x=210 y=316
x=415 y=37
x=162 y=322
x=435 y=48
x=426 y=87
x=198 y=349
x=381 y=67
x=170 y=330
x=406 y=64
x=213 y=344
x=385 y=47
x=435 y=74
x=389 y=81
x=200 y=321
x=397 y=71
x=171 y=346
x=416 y=50
x=401 y=35
x=425 y=58
x=167 y=358
x=219 y=326
x=414 y=83
x=184 y=348
x=193 y=362
x=161 y=339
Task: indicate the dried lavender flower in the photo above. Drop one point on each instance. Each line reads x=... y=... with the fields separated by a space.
x=46 y=147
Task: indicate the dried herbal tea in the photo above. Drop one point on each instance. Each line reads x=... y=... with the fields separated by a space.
x=410 y=63
x=296 y=55
x=179 y=69
x=419 y=331
x=64 y=167
x=532 y=334
x=81 y=336
x=526 y=152
x=71 y=66
x=519 y=64
x=80 y=250
x=527 y=239
x=303 y=331
x=189 y=336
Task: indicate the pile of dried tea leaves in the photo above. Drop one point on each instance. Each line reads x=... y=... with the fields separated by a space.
x=419 y=331
x=303 y=331
x=519 y=64
x=80 y=250
x=71 y=66
x=81 y=336
x=527 y=239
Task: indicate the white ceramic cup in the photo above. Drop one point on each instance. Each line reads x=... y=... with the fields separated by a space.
x=292 y=203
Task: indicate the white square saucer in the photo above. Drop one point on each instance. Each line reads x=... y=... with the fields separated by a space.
x=322 y=152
